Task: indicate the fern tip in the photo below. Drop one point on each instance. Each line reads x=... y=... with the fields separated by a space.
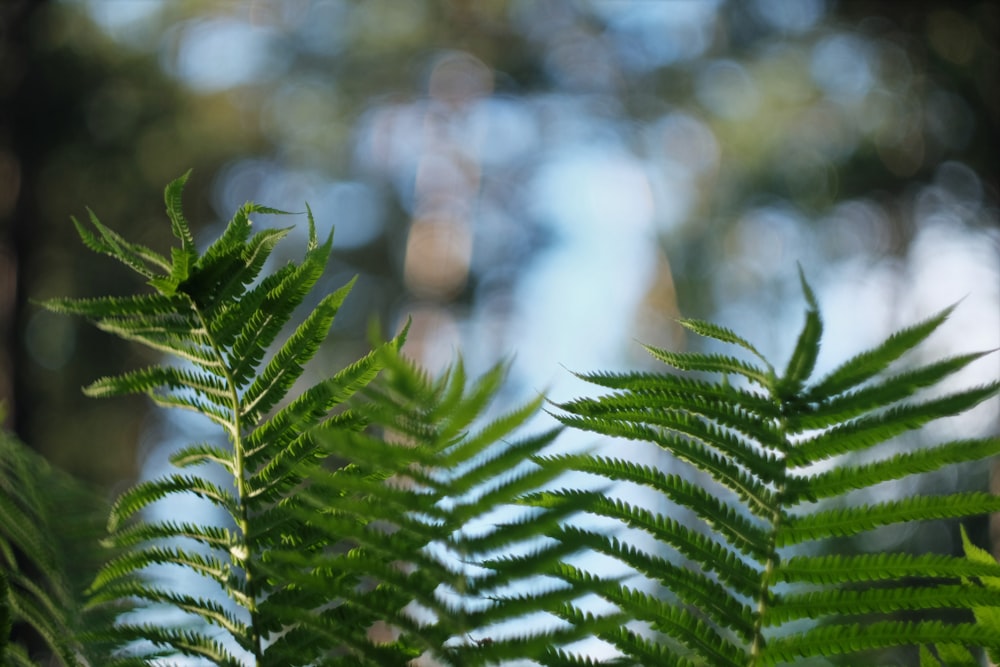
x=807 y=289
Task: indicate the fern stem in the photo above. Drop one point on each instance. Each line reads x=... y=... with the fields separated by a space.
x=763 y=594
x=239 y=552
x=757 y=648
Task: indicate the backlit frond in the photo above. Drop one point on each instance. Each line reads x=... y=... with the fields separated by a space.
x=732 y=582
x=215 y=315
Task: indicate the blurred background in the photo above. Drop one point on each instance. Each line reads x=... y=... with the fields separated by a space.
x=544 y=181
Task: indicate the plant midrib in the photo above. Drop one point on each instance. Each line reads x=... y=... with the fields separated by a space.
x=763 y=594
x=242 y=518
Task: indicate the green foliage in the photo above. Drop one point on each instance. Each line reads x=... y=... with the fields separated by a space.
x=368 y=563
x=415 y=512
x=757 y=579
x=987 y=614
x=43 y=515
x=379 y=516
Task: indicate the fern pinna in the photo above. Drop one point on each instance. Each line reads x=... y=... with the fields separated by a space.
x=366 y=564
x=749 y=583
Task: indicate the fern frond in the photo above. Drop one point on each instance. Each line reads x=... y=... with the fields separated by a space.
x=214 y=282
x=697 y=590
x=646 y=651
x=737 y=566
x=988 y=613
x=655 y=408
x=40 y=509
x=178 y=223
x=214 y=311
x=681 y=624
x=221 y=417
x=183 y=258
x=312 y=407
x=483 y=468
x=271 y=303
x=477 y=441
x=713 y=556
x=414 y=500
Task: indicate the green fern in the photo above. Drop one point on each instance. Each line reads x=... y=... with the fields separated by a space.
x=744 y=584
x=416 y=513
x=214 y=313
x=319 y=564
x=44 y=514
x=380 y=516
